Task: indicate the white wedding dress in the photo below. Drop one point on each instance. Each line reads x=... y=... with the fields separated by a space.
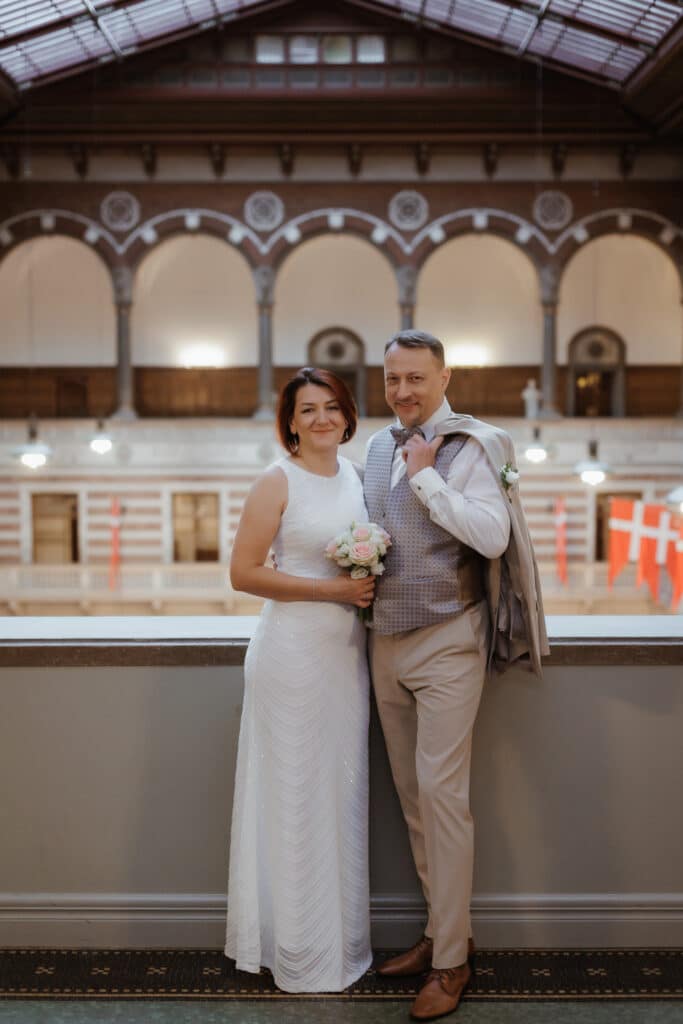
x=298 y=894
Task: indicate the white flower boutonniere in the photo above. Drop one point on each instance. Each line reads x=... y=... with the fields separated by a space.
x=509 y=476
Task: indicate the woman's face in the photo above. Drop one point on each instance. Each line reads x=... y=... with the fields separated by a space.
x=317 y=419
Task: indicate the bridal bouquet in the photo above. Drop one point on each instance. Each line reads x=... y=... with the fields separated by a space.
x=362 y=549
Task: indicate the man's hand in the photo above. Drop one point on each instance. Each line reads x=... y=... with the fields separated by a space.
x=418 y=454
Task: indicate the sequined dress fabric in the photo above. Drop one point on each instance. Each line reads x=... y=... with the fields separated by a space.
x=298 y=891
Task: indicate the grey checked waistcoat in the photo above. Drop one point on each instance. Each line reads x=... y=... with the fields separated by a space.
x=429 y=576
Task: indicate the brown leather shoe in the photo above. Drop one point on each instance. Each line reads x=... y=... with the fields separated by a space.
x=441 y=993
x=417 y=960
x=413 y=961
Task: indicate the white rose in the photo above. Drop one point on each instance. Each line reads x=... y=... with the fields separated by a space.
x=359 y=572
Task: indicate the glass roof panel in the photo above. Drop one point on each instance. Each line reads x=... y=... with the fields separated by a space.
x=604 y=38
x=642 y=21
x=18 y=17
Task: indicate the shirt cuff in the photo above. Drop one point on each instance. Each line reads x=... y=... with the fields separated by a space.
x=426 y=483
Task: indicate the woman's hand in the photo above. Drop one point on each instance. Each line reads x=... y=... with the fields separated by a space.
x=347 y=591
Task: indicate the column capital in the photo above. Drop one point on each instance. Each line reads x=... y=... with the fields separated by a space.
x=264 y=280
x=406 y=276
x=122 y=278
x=549 y=280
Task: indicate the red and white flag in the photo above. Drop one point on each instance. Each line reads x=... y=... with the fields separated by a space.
x=657 y=547
x=625 y=526
x=678 y=567
x=561 y=540
x=115 y=547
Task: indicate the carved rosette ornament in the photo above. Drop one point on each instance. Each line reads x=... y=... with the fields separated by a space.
x=553 y=210
x=408 y=210
x=264 y=211
x=120 y=211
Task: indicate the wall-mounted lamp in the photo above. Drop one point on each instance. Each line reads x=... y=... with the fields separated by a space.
x=101 y=442
x=591 y=470
x=536 y=451
x=34 y=453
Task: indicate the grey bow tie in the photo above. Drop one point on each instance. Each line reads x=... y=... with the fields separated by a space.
x=401 y=434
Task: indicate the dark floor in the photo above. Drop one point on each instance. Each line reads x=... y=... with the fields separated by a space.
x=320 y=1011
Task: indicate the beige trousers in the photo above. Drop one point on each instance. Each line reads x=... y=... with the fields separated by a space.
x=428 y=685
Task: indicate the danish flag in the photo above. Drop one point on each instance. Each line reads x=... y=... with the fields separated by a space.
x=561 y=539
x=641 y=533
x=115 y=549
x=678 y=567
x=657 y=547
x=625 y=524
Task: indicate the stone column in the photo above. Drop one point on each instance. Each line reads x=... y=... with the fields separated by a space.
x=549 y=281
x=123 y=299
x=264 y=279
x=406 y=277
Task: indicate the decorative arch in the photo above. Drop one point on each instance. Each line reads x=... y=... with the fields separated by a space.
x=521 y=233
x=156 y=230
x=51 y=223
x=596 y=373
x=342 y=351
x=645 y=224
x=384 y=238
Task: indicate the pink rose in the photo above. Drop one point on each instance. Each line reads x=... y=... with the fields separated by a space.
x=362 y=553
x=331 y=549
x=361 y=533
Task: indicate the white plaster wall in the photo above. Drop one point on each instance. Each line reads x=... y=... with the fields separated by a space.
x=479 y=293
x=194 y=291
x=628 y=284
x=334 y=281
x=57 y=306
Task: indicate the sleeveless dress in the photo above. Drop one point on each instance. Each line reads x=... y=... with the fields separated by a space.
x=298 y=893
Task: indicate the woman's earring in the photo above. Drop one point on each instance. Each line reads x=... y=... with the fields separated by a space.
x=295 y=439
x=345 y=435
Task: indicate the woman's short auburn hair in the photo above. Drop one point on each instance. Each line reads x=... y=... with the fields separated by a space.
x=323 y=379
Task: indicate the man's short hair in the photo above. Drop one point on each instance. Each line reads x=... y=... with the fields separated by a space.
x=418 y=339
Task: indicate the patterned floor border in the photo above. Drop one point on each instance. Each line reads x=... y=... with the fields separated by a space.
x=526 y=975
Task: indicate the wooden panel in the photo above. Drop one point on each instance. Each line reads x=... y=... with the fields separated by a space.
x=653 y=390
x=57 y=391
x=170 y=391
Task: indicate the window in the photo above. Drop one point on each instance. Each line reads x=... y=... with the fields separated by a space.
x=370 y=50
x=195 y=527
x=337 y=50
x=303 y=50
x=270 y=49
x=55 y=529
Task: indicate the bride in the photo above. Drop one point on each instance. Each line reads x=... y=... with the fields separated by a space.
x=298 y=894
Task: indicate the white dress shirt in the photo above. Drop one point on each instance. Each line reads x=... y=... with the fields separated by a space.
x=469 y=503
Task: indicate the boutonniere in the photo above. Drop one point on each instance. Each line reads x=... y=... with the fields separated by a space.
x=509 y=476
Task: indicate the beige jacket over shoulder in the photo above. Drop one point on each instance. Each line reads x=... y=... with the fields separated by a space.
x=518 y=634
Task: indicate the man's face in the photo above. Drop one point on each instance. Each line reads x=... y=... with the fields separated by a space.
x=414 y=383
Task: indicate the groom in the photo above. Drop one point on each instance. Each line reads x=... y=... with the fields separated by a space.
x=447 y=608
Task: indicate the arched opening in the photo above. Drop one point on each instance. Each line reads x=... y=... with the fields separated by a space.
x=194 y=330
x=595 y=373
x=341 y=280
x=59 y=333
x=478 y=294
x=343 y=352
